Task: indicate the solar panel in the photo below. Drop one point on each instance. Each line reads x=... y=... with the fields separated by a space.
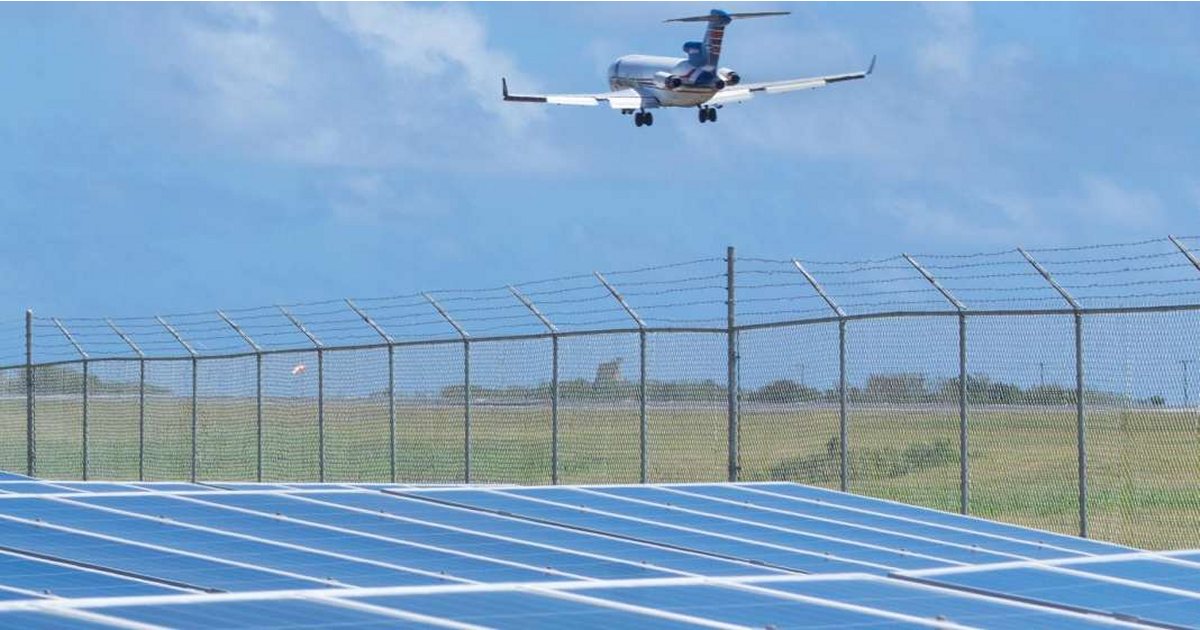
x=1130 y=588
x=776 y=555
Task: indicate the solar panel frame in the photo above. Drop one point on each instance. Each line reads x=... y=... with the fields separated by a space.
x=659 y=555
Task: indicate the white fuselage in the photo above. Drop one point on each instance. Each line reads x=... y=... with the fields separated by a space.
x=653 y=76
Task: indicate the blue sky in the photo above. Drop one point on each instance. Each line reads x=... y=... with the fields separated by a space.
x=173 y=157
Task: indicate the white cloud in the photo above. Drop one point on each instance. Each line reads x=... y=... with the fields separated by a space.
x=951 y=47
x=921 y=219
x=431 y=43
x=1089 y=204
x=374 y=198
x=240 y=67
x=369 y=86
x=1100 y=199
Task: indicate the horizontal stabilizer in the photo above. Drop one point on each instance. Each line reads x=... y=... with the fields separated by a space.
x=721 y=16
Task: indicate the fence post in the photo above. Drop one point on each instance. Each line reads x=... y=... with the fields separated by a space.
x=84 y=360
x=733 y=384
x=191 y=353
x=30 y=440
x=553 y=378
x=1080 y=419
x=964 y=467
x=843 y=450
x=258 y=397
x=1184 y=250
x=258 y=416
x=391 y=388
x=554 y=409
x=141 y=397
x=843 y=420
x=391 y=385
x=1195 y=263
x=643 y=428
x=320 y=348
x=466 y=341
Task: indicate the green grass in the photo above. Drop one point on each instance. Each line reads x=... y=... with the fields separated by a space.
x=1144 y=466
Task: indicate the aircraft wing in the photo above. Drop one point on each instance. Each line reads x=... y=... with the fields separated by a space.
x=621 y=99
x=747 y=91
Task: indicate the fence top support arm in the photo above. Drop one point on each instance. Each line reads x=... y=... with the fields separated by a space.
x=1050 y=279
x=302 y=328
x=129 y=342
x=446 y=316
x=1184 y=250
x=174 y=333
x=369 y=322
x=837 y=310
x=620 y=300
x=241 y=333
x=533 y=309
x=959 y=306
x=70 y=338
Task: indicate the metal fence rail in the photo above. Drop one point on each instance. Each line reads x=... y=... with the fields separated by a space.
x=953 y=381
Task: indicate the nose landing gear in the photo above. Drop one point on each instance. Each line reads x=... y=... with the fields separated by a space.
x=643 y=118
x=707 y=114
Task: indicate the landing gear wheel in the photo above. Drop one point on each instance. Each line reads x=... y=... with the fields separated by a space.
x=702 y=114
x=649 y=119
x=639 y=119
x=712 y=114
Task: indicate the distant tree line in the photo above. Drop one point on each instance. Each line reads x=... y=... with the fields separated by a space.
x=53 y=380
x=905 y=388
x=900 y=388
x=914 y=389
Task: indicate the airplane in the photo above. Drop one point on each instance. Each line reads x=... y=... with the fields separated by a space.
x=644 y=82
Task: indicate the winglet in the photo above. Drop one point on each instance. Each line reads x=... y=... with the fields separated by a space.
x=871 y=68
x=504 y=86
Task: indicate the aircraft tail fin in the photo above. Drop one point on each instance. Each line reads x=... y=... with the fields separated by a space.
x=717 y=21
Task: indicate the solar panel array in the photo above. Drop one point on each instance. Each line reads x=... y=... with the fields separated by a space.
x=760 y=555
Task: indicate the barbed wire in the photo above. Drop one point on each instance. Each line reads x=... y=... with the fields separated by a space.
x=687 y=292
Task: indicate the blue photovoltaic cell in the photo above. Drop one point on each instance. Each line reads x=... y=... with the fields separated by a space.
x=520 y=610
x=168 y=486
x=922 y=601
x=66 y=581
x=1158 y=572
x=839 y=530
x=943 y=518
x=97 y=486
x=33 y=487
x=290 y=614
x=266 y=526
x=23 y=620
x=10 y=476
x=746 y=530
x=876 y=516
x=9 y=595
x=351 y=539
x=660 y=534
x=166 y=534
x=246 y=486
x=525 y=530
x=529 y=555
x=196 y=572
x=1063 y=589
x=744 y=607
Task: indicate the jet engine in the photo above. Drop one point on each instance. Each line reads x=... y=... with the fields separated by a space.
x=729 y=76
x=668 y=81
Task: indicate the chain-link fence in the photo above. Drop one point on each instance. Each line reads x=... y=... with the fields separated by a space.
x=1051 y=388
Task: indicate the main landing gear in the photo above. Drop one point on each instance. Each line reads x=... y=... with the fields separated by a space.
x=643 y=118
x=707 y=114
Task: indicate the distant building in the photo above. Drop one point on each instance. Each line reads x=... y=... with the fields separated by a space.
x=609 y=372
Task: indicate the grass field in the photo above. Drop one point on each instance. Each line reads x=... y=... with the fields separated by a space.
x=1144 y=466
